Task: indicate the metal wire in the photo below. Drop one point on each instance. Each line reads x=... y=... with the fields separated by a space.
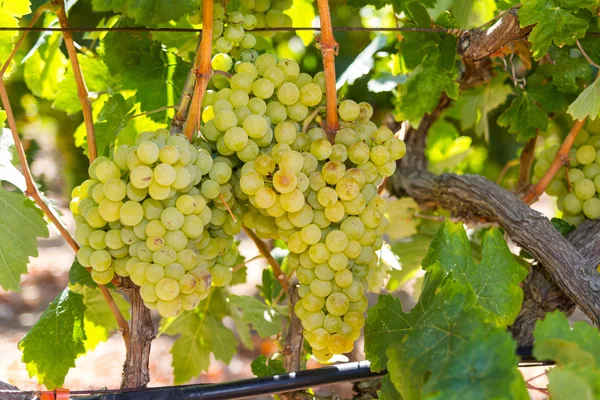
x=150 y=29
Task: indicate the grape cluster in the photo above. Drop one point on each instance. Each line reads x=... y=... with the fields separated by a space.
x=140 y=215
x=578 y=186
x=321 y=198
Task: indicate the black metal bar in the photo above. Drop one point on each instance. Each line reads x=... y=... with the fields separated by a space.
x=248 y=388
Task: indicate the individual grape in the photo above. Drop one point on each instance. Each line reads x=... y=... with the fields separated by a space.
x=109 y=210
x=290 y=68
x=100 y=260
x=591 y=208
x=168 y=309
x=284 y=181
x=148 y=292
x=586 y=154
x=221 y=275
x=154 y=273
x=584 y=189
x=106 y=170
x=114 y=189
x=148 y=152
x=84 y=255
x=164 y=174
x=349 y=110
x=572 y=204
x=131 y=213
x=103 y=277
x=113 y=239
x=310 y=94
x=82 y=233
x=337 y=304
x=263 y=88
x=141 y=177
x=222 y=62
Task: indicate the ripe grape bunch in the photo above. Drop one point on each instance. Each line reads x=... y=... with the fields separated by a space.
x=578 y=185
x=140 y=216
x=320 y=197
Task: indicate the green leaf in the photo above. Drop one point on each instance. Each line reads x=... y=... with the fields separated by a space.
x=554 y=23
x=21 y=224
x=495 y=280
x=587 y=104
x=99 y=319
x=576 y=351
x=113 y=118
x=562 y=226
x=266 y=320
x=386 y=324
x=566 y=70
x=79 y=275
x=45 y=69
x=56 y=340
x=524 y=117
x=10 y=12
x=9 y=158
x=474 y=105
x=201 y=334
x=143 y=65
x=96 y=77
x=263 y=366
x=388 y=390
x=483 y=367
x=148 y=12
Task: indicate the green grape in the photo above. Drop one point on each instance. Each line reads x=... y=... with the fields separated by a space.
x=379 y=155
x=154 y=273
x=114 y=189
x=584 y=189
x=106 y=170
x=586 y=154
x=344 y=278
x=103 y=277
x=323 y=272
x=164 y=256
x=168 y=309
x=82 y=233
x=84 y=254
x=311 y=234
x=147 y=152
x=155 y=242
x=291 y=161
x=220 y=172
x=263 y=88
x=164 y=174
x=349 y=110
x=255 y=126
x=119 y=266
x=332 y=323
x=337 y=304
x=187 y=258
x=292 y=201
x=223 y=45
x=322 y=356
x=249 y=22
x=264 y=61
x=235 y=138
x=221 y=275
x=284 y=181
x=100 y=260
x=131 y=213
x=183 y=178
x=221 y=62
x=572 y=204
x=98 y=193
x=321 y=149
x=327 y=197
x=276 y=112
x=318 y=338
x=297 y=111
x=313 y=319
x=176 y=240
x=359 y=153
x=141 y=177
x=136 y=194
x=288 y=94
x=310 y=94
x=113 y=239
x=290 y=68
x=338 y=261
x=591 y=208
x=172 y=218
x=148 y=292
x=335 y=213
x=296 y=244
x=109 y=210
x=192 y=226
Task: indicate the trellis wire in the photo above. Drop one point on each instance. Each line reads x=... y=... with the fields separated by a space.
x=245 y=388
x=453 y=31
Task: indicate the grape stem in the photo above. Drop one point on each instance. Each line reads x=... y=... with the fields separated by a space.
x=310 y=119
x=186 y=95
x=82 y=91
x=329 y=49
x=264 y=251
x=33 y=193
x=561 y=159
x=202 y=70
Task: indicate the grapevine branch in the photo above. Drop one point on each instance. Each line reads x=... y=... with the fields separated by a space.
x=525 y=162
x=82 y=91
x=202 y=69
x=329 y=48
x=264 y=251
x=475 y=197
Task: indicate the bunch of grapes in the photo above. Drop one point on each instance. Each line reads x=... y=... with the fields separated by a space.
x=295 y=185
x=141 y=216
x=578 y=185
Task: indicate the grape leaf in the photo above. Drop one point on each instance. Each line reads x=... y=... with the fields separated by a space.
x=143 y=65
x=78 y=275
x=10 y=11
x=263 y=366
x=96 y=78
x=45 y=69
x=56 y=340
x=491 y=361
x=362 y=63
x=99 y=319
x=112 y=119
x=386 y=323
x=554 y=23
x=474 y=105
x=21 y=223
x=576 y=351
x=566 y=70
x=200 y=334
x=9 y=158
x=495 y=280
x=148 y=12
x=453 y=317
x=266 y=320
x=302 y=13
x=388 y=390
x=587 y=104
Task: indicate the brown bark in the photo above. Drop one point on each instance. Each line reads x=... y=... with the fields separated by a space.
x=136 y=373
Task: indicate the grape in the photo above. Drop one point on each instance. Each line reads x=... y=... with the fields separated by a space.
x=221 y=275
x=235 y=138
x=103 y=277
x=349 y=110
x=586 y=154
x=106 y=170
x=113 y=239
x=337 y=304
x=148 y=152
x=84 y=254
x=131 y=213
x=263 y=88
x=148 y=292
x=584 y=189
x=109 y=210
x=591 y=208
x=82 y=233
x=168 y=309
x=100 y=260
x=154 y=273
x=164 y=174
x=310 y=94
x=284 y=181
x=288 y=94
x=114 y=189
x=221 y=62
x=290 y=68
x=141 y=177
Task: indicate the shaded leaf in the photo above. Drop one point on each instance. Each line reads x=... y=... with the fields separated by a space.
x=266 y=320
x=263 y=366
x=79 y=275
x=21 y=224
x=566 y=69
x=148 y=12
x=45 y=69
x=587 y=104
